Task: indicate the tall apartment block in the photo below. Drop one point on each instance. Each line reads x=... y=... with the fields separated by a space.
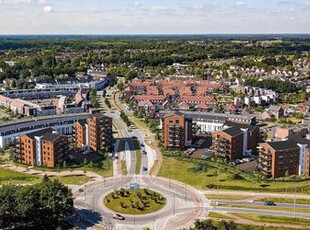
x=236 y=141
x=277 y=158
x=177 y=131
x=95 y=133
x=42 y=148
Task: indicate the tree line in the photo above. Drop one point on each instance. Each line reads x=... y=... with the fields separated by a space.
x=44 y=205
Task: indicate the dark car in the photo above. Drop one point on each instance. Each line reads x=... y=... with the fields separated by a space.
x=269 y=203
x=81 y=190
x=142 y=145
x=118 y=216
x=144 y=152
x=144 y=168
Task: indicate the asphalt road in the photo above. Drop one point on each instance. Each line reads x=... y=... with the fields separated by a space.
x=282 y=205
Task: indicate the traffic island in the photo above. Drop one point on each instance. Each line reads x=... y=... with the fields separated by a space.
x=134 y=202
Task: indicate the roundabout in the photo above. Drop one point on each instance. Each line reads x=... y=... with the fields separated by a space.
x=183 y=204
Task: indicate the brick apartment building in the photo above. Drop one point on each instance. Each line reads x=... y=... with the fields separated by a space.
x=275 y=158
x=42 y=148
x=95 y=133
x=235 y=141
x=177 y=130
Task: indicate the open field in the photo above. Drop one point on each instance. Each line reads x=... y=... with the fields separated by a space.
x=203 y=175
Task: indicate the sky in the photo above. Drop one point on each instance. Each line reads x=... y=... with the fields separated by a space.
x=154 y=16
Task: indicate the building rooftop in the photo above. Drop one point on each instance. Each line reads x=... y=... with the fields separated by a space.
x=50 y=136
x=283 y=145
x=39 y=133
x=233 y=131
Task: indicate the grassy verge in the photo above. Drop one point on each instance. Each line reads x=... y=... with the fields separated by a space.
x=204 y=175
x=137 y=148
x=124 y=168
x=275 y=208
x=8 y=176
x=226 y=197
x=283 y=200
x=12 y=177
x=76 y=180
x=274 y=219
x=219 y=216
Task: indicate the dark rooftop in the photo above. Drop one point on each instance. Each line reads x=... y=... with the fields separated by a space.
x=39 y=133
x=241 y=126
x=50 y=137
x=233 y=131
x=283 y=145
x=299 y=140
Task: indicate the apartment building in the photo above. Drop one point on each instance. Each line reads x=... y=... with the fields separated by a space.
x=235 y=141
x=42 y=148
x=95 y=133
x=177 y=130
x=277 y=158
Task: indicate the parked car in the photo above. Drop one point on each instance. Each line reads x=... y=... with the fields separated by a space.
x=269 y=203
x=144 y=168
x=118 y=216
x=142 y=145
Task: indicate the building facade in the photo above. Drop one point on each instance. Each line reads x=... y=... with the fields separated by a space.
x=95 y=133
x=42 y=148
x=177 y=131
x=276 y=159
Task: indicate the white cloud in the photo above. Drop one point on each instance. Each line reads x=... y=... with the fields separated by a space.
x=240 y=4
x=47 y=9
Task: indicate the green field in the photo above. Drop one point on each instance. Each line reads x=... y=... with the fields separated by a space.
x=226 y=197
x=203 y=175
x=140 y=201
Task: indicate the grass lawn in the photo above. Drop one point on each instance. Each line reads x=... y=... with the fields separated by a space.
x=107 y=171
x=139 y=202
x=226 y=197
x=219 y=216
x=137 y=148
x=274 y=219
x=8 y=176
x=283 y=200
x=77 y=180
x=203 y=175
x=275 y=208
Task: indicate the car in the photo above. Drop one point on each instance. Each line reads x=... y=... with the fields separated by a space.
x=144 y=168
x=118 y=216
x=269 y=203
x=81 y=190
x=142 y=145
x=144 y=152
